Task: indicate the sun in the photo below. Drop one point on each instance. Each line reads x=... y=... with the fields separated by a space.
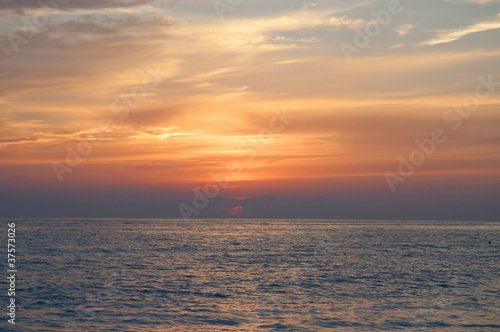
x=236 y=211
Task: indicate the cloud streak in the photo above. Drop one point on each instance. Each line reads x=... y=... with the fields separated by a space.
x=448 y=36
x=404 y=29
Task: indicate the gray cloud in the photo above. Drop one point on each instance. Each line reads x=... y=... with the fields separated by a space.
x=81 y=4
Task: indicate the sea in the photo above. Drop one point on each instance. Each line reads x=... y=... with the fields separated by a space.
x=253 y=275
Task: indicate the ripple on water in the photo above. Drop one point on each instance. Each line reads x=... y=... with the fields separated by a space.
x=249 y=275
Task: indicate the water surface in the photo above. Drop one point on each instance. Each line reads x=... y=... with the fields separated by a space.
x=256 y=275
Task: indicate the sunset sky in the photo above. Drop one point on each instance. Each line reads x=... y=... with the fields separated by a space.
x=157 y=96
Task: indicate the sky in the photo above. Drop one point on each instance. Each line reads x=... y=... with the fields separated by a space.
x=328 y=109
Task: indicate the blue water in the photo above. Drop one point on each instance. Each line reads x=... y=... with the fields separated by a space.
x=255 y=275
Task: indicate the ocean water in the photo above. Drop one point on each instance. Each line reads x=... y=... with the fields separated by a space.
x=255 y=275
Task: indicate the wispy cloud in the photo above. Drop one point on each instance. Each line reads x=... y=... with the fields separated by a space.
x=348 y=22
x=158 y=133
x=475 y=1
x=404 y=29
x=448 y=36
